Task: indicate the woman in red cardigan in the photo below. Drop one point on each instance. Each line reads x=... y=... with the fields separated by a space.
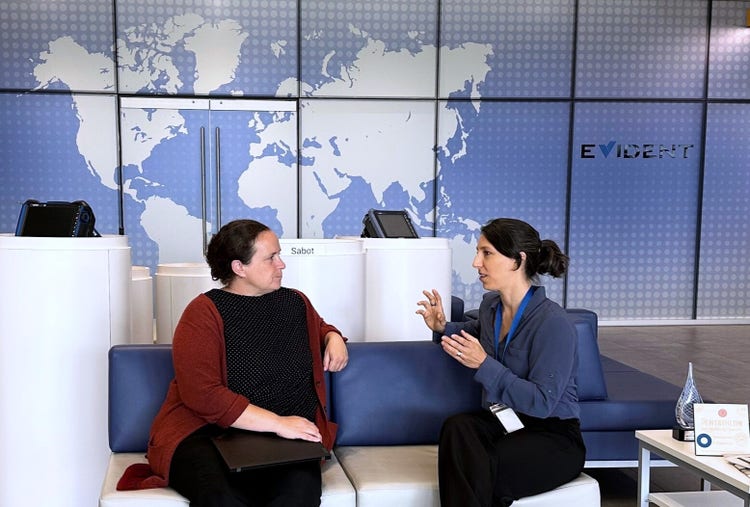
x=252 y=356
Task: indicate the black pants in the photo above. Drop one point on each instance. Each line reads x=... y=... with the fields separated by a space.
x=480 y=466
x=199 y=474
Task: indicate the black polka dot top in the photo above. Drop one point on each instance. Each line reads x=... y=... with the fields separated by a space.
x=268 y=351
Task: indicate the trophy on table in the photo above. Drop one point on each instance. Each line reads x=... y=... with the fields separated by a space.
x=683 y=411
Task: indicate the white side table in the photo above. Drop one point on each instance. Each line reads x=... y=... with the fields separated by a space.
x=713 y=469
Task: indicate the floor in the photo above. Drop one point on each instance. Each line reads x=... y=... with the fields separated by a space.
x=720 y=355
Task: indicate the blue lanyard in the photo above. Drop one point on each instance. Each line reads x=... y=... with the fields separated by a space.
x=513 y=325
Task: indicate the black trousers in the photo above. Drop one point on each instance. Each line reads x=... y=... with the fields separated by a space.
x=480 y=466
x=198 y=473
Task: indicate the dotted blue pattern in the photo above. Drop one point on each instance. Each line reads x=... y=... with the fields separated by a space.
x=634 y=220
x=48 y=167
x=729 y=65
x=723 y=289
x=27 y=28
x=641 y=48
x=517 y=168
x=264 y=22
x=356 y=196
x=532 y=43
x=236 y=135
x=176 y=166
x=400 y=24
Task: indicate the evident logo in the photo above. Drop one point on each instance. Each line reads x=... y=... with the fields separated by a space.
x=613 y=149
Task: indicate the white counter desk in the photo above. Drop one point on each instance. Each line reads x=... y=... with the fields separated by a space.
x=63 y=303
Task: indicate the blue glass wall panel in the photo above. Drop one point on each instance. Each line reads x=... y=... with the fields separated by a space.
x=55 y=44
x=724 y=273
x=417 y=65
x=368 y=49
x=641 y=48
x=528 y=46
x=58 y=147
x=257 y=153
x=634 y=206
x=165 y=150
x=362 y=154
x=174 y=153
x=729 y=59
x=207 y=47
x=502 y=160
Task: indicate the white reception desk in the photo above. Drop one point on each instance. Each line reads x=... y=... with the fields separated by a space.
x=63 y=303
x=398 y=270
x=367 y=287
x=331 y=273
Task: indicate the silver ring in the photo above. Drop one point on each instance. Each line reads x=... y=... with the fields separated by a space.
x=432 y=303
x=458 y=354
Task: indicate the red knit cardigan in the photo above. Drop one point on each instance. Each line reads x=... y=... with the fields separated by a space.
x=198 y=395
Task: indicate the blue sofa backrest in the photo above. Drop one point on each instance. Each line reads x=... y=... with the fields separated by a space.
x=399 y=393
x=395 y=393
x=391 y=393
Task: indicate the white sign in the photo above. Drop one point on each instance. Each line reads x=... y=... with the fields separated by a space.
x=721 y=428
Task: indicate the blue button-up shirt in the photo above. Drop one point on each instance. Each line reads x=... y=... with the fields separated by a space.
x=536 y=376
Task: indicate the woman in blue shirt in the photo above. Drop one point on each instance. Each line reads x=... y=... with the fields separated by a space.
x=524 y=351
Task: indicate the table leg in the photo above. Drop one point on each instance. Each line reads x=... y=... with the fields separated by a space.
x=644 y=475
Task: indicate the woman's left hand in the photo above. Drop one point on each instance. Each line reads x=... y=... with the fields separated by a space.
x=335 y=357
x=465 y=349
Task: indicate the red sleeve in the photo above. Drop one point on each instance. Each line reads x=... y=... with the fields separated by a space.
x=200 y=365
x=317 y=328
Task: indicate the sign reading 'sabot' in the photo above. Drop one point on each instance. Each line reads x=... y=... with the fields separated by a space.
x=302 y=250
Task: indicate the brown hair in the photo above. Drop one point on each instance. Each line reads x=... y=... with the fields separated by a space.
x=510 y=237
x=234 y=241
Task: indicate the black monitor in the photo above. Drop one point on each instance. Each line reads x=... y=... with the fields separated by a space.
x=55 y=219
x=388 y=224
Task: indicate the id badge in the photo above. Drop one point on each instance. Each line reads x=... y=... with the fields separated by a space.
x=507 y=417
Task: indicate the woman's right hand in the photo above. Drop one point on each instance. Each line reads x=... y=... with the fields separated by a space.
x=432 y=311
x=254 y=418
x=295 y=427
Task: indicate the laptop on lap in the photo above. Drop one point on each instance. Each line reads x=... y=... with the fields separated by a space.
x=244 y=450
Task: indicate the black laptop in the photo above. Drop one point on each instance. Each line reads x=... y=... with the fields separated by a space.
x=243 y=450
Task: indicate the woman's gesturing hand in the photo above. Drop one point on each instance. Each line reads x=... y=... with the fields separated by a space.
x=432 y=310
x=465 y=349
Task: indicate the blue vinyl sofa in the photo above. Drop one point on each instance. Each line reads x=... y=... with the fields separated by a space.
x=390 y=403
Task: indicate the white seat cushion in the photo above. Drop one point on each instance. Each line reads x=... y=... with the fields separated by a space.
x=388 y=476
x=155 y=497
x=337 y=490
x=406 y=475
x=583 y=491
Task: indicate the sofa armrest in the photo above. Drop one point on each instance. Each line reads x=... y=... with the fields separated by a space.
x=590 y=377
x=139 y=376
